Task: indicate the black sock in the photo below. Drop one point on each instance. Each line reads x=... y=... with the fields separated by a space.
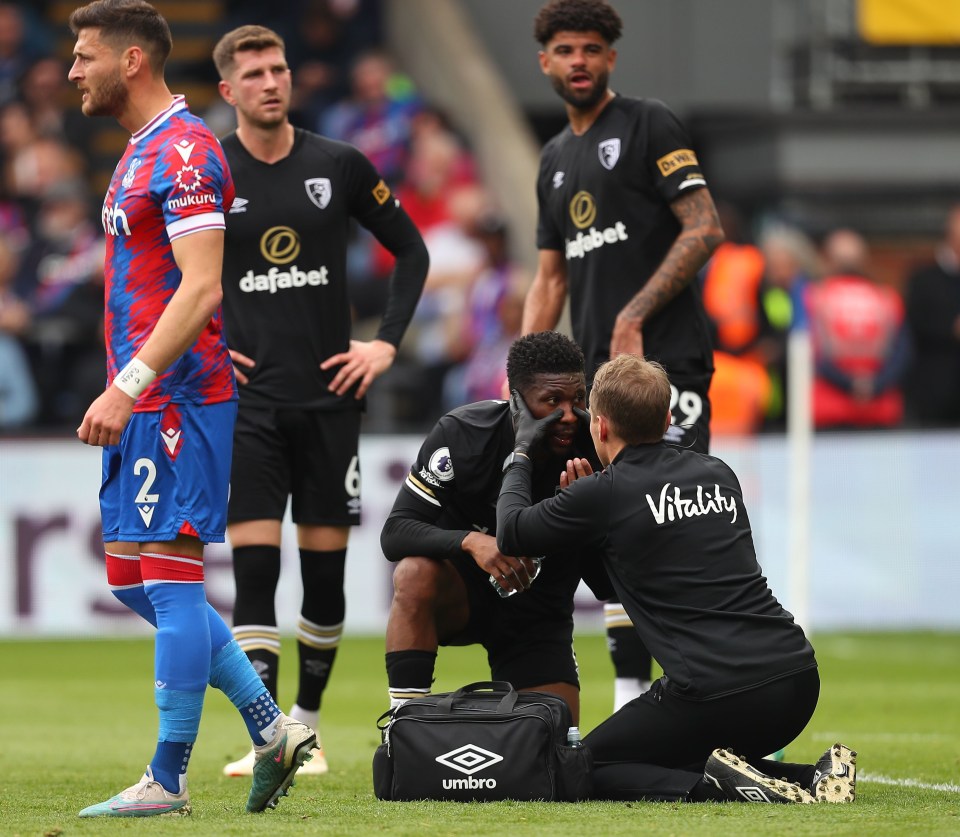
x=409 y=673
x=629 y=655
x=256 y=571
x=320 y=627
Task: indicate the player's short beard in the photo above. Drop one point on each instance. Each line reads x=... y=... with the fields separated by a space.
x=110 y=98
x=583 y=101
x=267 y=124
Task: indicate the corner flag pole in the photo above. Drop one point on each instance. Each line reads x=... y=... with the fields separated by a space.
x=800 y=450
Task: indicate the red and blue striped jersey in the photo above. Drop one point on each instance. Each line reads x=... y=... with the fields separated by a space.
x=173 y=180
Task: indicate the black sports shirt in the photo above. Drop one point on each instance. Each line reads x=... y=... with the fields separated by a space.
x=679 y=550
x=604 y=200
x=452 y=490
x=284 y=270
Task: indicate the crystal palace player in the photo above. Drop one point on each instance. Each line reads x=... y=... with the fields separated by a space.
x=302 y=379
x=626 y=222
x=167 y=416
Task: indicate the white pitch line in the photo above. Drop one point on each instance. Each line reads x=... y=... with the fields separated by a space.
x=885 y=737
x=908 y=783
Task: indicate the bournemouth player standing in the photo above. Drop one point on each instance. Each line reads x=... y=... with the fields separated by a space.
x=166 y=416
x=302 y=379
x=625 y=223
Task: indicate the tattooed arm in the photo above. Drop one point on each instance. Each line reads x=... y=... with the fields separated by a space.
x=700 y=235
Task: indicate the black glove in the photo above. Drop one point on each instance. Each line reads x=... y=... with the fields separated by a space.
x=528 y=430
x=583 y=418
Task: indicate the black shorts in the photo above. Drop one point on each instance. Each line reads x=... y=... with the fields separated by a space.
x=690 y=408
x=307 y=455
x=526 y=644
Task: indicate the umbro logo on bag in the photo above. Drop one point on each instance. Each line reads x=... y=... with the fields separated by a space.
x=469 y=759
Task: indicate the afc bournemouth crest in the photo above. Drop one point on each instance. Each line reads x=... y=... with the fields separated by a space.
x=609 y=151
x=319 y=191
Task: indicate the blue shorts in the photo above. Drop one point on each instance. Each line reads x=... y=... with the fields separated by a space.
x=169 y=475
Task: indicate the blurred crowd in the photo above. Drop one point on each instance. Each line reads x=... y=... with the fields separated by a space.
x=886 y=354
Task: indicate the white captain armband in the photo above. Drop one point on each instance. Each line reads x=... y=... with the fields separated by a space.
x=135 y=377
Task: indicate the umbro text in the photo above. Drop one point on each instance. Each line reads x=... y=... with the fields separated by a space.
x=469 y=783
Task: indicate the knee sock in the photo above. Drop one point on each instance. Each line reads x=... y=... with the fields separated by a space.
x=631 y=659
x=234 y=675
x=126 y=584
x=230 y=671
x=176 y=737
x=256 y=571
x=320 y=627
x=173 y=584
x=409 y=675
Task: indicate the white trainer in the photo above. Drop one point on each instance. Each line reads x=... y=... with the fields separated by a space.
x=241 y=767
x=244 y=766
x=147 y=798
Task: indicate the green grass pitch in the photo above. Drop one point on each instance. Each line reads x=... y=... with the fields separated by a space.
x=77 y=724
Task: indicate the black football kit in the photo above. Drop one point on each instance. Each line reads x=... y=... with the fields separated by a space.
x=675 y=538
x=286 y=306
x=284 y=270
x=604 y=202
x=452 y=490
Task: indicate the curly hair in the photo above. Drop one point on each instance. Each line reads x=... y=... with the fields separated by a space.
x=125 y=22
x=577 y=16
x=543 y=352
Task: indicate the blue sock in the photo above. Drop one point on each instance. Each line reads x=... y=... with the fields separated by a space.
x=232 y=673
x=182 y=643
x=260 y=716
x=220 y=634
x=169 y=763
x=179 y=723
x=136 y=599
x=181 y=669
x=230 y=669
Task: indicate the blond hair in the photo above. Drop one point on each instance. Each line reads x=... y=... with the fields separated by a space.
x=633 y=395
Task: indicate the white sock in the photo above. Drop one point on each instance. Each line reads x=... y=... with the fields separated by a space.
x=626 y=689
x=310 y=717
x=396 y=703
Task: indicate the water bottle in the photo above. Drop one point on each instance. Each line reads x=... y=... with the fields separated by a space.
x=573 y=737
x=506 y=592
